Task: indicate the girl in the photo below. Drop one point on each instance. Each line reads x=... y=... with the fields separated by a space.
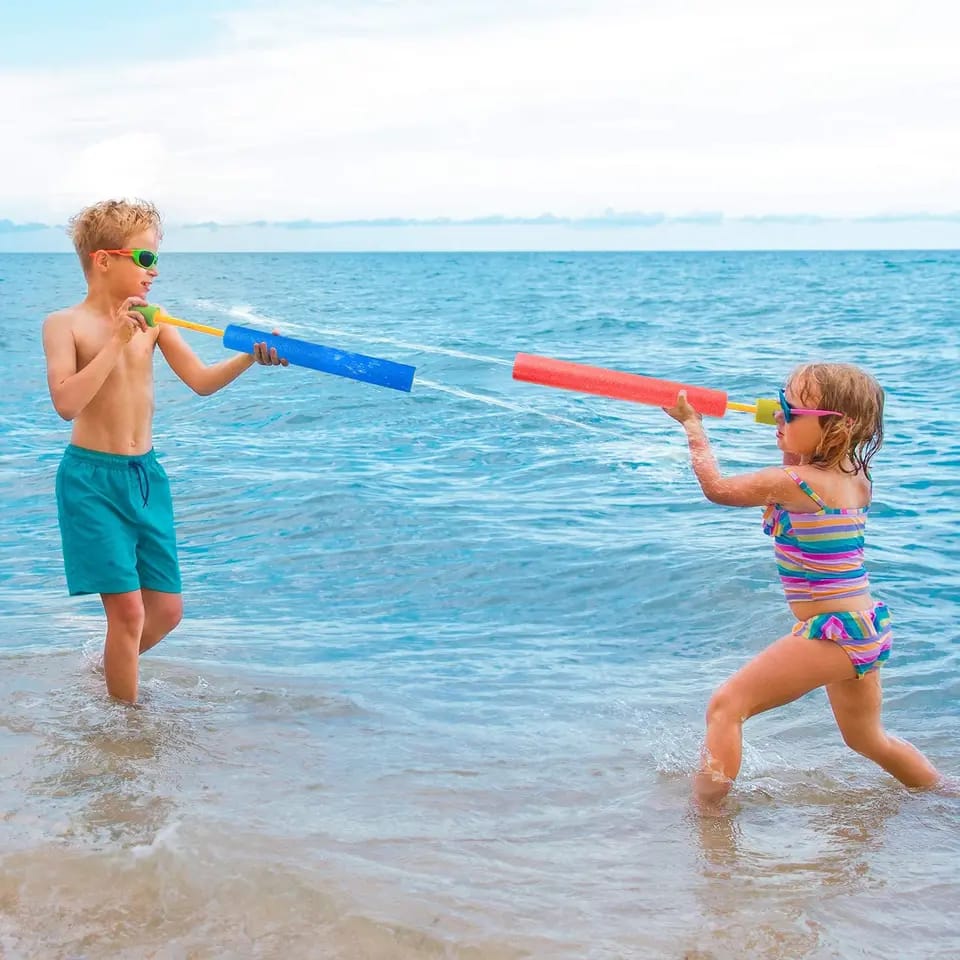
x=829 y=426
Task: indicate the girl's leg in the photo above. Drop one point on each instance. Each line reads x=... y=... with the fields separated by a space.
x=162 y=612
x=121 y=649
x=786 y=670
x=857 y=706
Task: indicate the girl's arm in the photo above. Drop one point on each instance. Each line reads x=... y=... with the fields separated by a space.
x=746 y=490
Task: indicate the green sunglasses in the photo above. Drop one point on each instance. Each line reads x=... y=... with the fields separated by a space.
x=142 y=258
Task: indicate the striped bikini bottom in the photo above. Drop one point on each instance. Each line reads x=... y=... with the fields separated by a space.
x=865 y=635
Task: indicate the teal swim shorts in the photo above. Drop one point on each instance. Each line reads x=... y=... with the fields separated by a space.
x=116 y=523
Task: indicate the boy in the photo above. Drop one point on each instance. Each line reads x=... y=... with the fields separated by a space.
x=113 y=497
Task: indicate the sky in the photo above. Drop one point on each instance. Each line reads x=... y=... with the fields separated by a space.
x=486 y=124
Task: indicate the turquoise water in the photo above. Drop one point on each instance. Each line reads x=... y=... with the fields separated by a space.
x=440 y=683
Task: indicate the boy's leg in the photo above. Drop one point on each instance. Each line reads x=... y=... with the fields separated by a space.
x=857 y=707
x=116 y=519
x=162 y=612
x=157 y=563
x=136 y=621
x=99 y=533
x=125 y=618
x=785 y=671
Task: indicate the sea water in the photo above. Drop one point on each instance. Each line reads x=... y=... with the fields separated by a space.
x=440 y=683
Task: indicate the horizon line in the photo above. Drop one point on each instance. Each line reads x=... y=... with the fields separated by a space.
x=610 y=219
x=468 y=251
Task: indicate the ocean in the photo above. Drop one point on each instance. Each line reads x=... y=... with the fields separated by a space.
x=439 y=687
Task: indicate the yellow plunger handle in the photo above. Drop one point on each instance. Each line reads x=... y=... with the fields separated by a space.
x=189 y=325
x=764 y=410
x=153 y=315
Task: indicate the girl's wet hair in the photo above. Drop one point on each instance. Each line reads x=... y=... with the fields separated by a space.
x=109 y=225
x=858 y=435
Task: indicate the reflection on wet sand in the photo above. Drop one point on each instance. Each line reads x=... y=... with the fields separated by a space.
x=760 y=888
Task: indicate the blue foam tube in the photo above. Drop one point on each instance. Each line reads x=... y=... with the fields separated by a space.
x=355 y=366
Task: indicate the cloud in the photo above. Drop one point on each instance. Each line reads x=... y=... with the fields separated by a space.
x=610 y=218
x=8 y=226
x=415 y=111
x=913 y=218
x=265 y=24
x=795 y=219
x=714 y=219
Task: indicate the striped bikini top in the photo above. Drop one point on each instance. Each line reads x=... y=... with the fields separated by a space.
x=819 y=555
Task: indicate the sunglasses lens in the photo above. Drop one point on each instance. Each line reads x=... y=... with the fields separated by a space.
x=146 y=258
x=785 y=407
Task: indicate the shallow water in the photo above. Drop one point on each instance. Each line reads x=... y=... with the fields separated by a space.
x=440 y=683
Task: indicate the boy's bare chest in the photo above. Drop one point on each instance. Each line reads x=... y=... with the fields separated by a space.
x=135 y=358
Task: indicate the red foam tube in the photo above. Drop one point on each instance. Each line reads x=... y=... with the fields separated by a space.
x=616 y=384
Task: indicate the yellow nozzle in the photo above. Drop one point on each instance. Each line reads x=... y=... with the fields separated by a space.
x=764 y=410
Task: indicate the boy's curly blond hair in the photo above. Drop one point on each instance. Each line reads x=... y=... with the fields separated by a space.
x=109 y=224
x=856 y=437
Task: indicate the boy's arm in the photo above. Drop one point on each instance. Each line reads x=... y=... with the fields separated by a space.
x=205 y=379
x=199 y=377
x=71 y=390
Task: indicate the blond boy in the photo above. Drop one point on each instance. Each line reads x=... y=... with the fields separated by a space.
x=113 y=496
